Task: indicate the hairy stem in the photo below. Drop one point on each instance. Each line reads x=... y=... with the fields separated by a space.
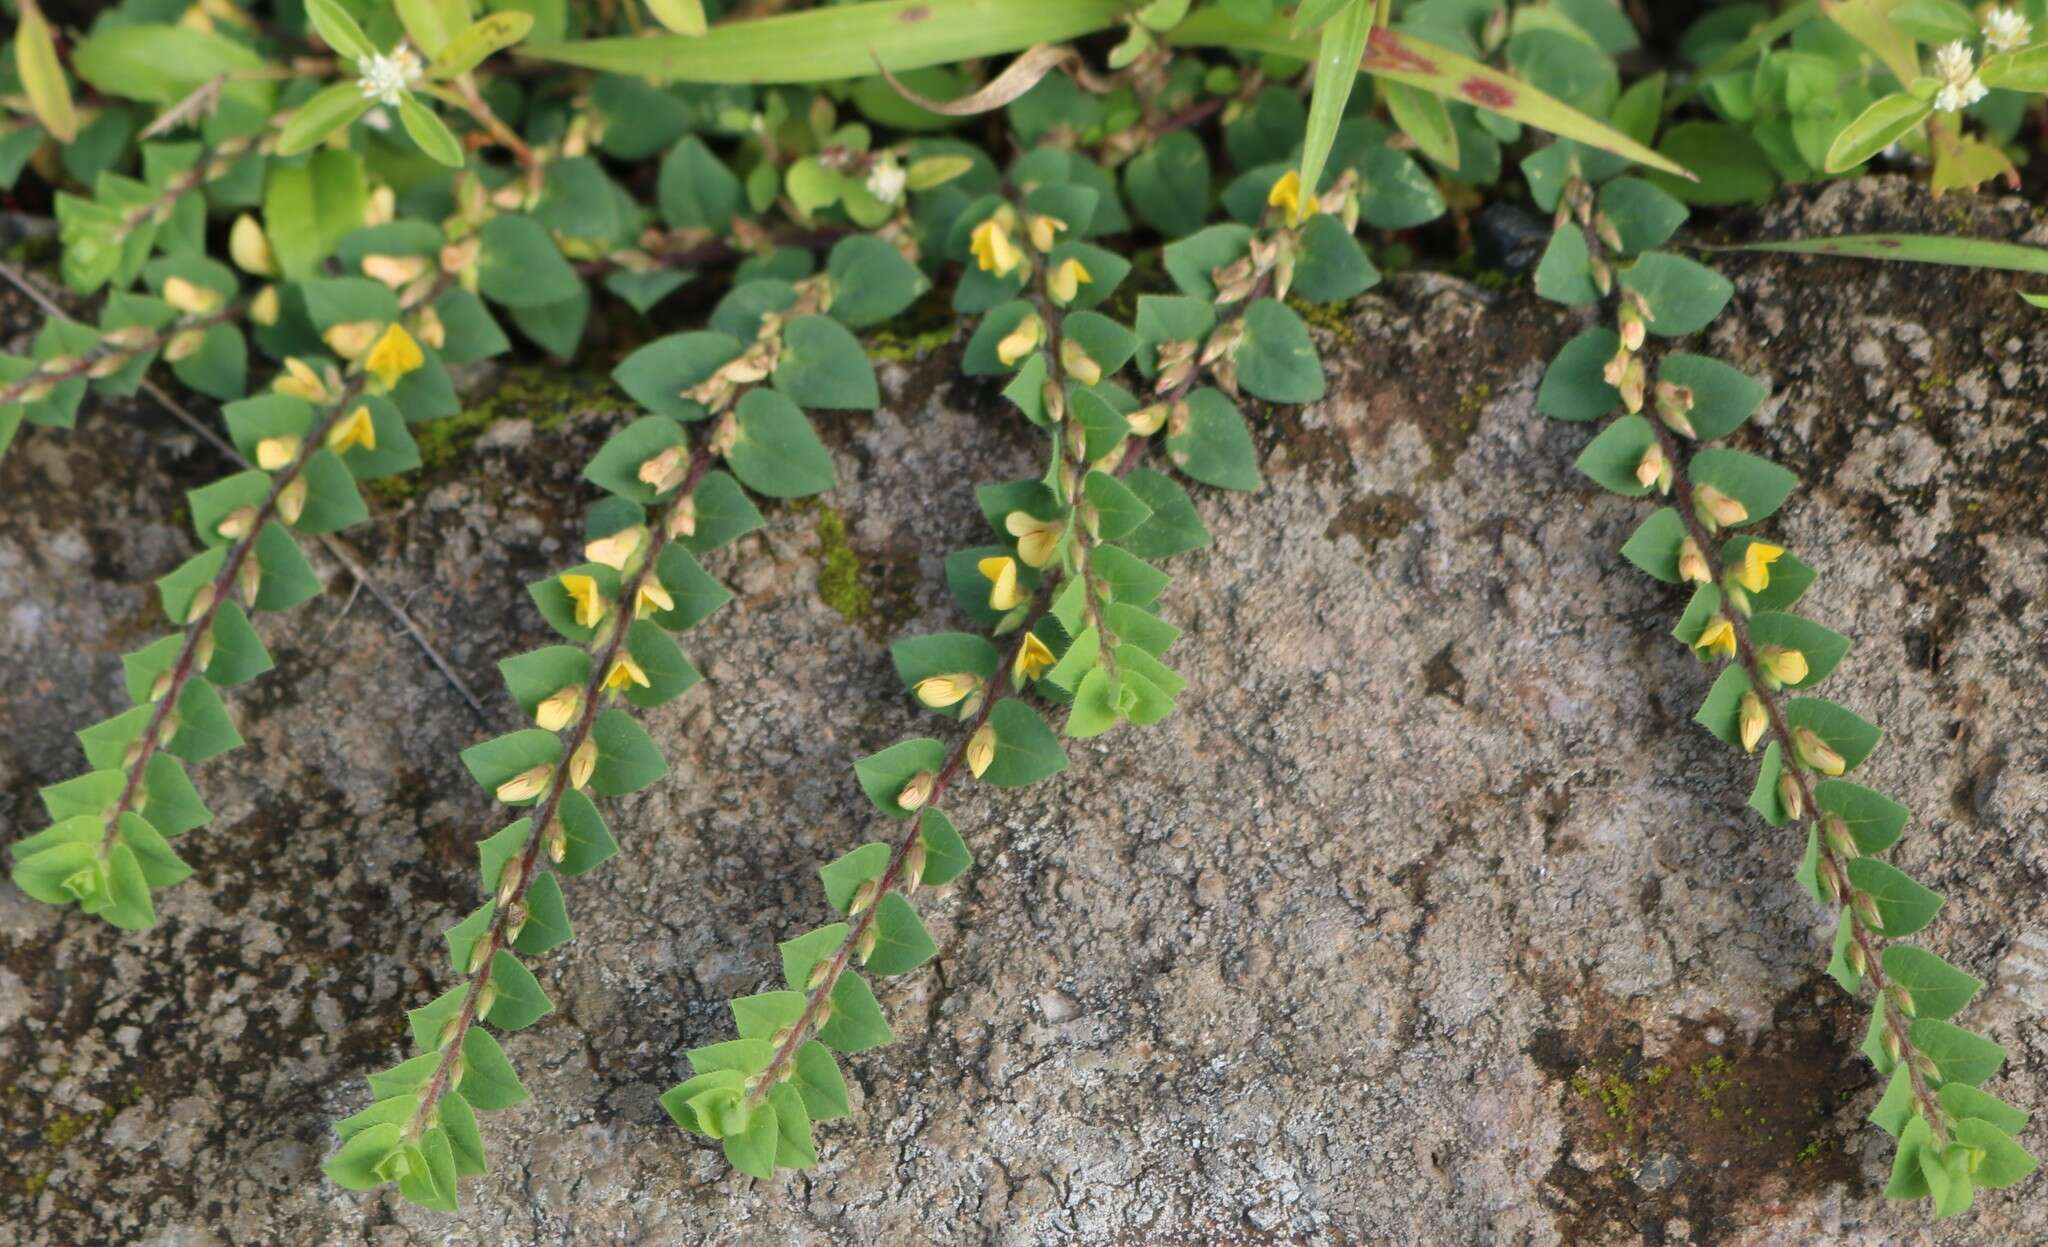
x=1833 y=865
x=526 y=867
x=97 y=359
x=197 y=627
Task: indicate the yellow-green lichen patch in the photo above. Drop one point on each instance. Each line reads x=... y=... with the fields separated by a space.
x=839 y=580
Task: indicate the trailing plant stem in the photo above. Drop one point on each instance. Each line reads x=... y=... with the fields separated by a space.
x=1896 y=1023
x=527 y=864
x=219 y=589
x=858 y=923
x=84 y=365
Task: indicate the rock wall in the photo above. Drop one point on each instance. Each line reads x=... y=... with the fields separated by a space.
x=1431 y=918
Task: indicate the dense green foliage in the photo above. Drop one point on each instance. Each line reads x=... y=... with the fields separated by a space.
x=316 y=217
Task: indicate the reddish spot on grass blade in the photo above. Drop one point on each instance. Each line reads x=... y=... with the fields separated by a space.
x=1486 y=94
x=1387 y=50
x=915 y=13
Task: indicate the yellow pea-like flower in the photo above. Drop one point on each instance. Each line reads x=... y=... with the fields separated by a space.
x=1065 y=280
x=273 y=453
x=652 y=599
x=1004 y=592
x=1717 y=640
x=981 y=750
x=1034 y=659
x=395 y=355
x=1753 y=721
x=583 y=591
x=1037 y=540
x=625 y=673
x=526 y=785
x=993 y=248
x=558 y=708
x=1755 y=572
x=356 y=429
x=941 y=691
x=1787 y=666
x=615 y=550
x=1286 y=196
x=300 y=381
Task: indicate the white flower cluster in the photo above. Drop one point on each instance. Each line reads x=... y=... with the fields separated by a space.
x=2006 y=29
x=1957 y=69
x=386 y=77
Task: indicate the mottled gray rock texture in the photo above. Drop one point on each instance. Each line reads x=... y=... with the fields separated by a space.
x=1432 y=918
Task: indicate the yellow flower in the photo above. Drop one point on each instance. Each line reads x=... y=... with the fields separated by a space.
x=981 y=750
x=624 y=674
x=1753 y=721
x=1718 y=640
x=300 y=381
x=1043 y=230
x=993 y=249
x=1004 y=592
x=1064 y=282
x=1020 y=341
x=590 y=604
x=236 y=524
x=1787 y=666
x=615 y=550
x=1755 y=572
x=651 y=599
x=665 y=470
x=273 y=453
x=1033 y=660
x=291 y=501
x=555 y=712
x=267 y=306
x=582 y=764
x=941 y=691
x=354 y=430
x=1037 y=540
x=394 y=355
x=1286 y=195
x=526 y=785
x=1080 y=365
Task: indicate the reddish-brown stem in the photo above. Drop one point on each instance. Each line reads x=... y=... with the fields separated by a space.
x=84 y=364
x=526 y=866
x=1895 y=1020
x=196 y=628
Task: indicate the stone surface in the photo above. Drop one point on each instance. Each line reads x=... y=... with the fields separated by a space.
x=1432 y=918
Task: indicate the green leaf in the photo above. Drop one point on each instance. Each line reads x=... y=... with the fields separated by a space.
x=1175 y=527
x=161 y=865
x=946 y=856
x=1336 y=72
x=616 y=466
x=1574 y=387
x=761 y=1016
x=1683 y=295
x=1877 y=127
x=465 y=1141
x=870 y=281
x=1824 y=648
x=363 y=1160
x=1655 y=544
x=488 y=1080
x=1212 y=443
x=1916 y=249
x=843 y=875
x=802 y=954
x=2003 y=1162
x=468 y=49
x=1722 y=397
x=1966 y=1101
x=520 y=266
x=547 y=918
x=856 y=1024
x=697 y=594
x=1565 y=274
x=462 y=937
x=1192 y=260
x=883 y=775
x=520 y=1001
x=724 y=513
x=822 y=366
x=1276 y=360
x=752 y=1150
x=1961 y=1056
x=627 y=760
x=1939 y=990
x=669 y=672
x=1643 y=215
x=1722 y=711
x=588 y=842
x=1422 y=117
x=1331 y=267
x=1908 y=1180
x=1790 y=576
x=495 y=761
x=1758 y=484
x=1095 y=709
x=1808 y=873
x=901 y=943
x=537 y=675
x=1874 y=819
x=818 y=1080
x=1839 y=968
x=1903 y=905
x=1167 y=183
x=338 y=29
x=1117 y=510
x=794 y=1148
x=1611 y=459
x=695 y=189
x=777 y=452
x=1026 y=749
x=1763 y=796
x=309 y=208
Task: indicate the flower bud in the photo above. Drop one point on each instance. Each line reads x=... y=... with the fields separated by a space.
x=291 y=501
x=1816 y=753
x=817 y=976
x=394 y=270
x=682 y=522
x=1903 y=999
x=582 y=763
x=1673 y=402
x=941 y=691
x=555 y=711
x=913 y=867
x=1634 y=376
x=249 y=581
x=184 y=345
x=918 y=791
x=1146 y=421
x=189 y=297
x=160 y=687
x=237 y=524
x=485 y=999
x=526 y=785
x=1653 y=470
x=1781 y=664
x=1692 y=564
x=250 y=248
x=351 y=339
x=1835 y=830
x=1859 y=961
x=1021 y=341
x=202 y=602
x=1079 y=365
x=558 y=842
x=1753 y=721
x=1892 y=1047
x=1715 y=508
x=1866 y=909
x=267 y=306
x=1043 y=230
x=981 y=750
x=865 y=948
x=453 y=1026
x=617 y=550
x=1791 y=796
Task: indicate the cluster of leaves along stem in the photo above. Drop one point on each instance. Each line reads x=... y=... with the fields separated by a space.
x=390 y=201
x=1953 y=1137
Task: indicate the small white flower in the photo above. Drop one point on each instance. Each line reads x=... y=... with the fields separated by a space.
x=386 y=77
x=885 y=181
x=2006 y=29
x=1957 y=70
